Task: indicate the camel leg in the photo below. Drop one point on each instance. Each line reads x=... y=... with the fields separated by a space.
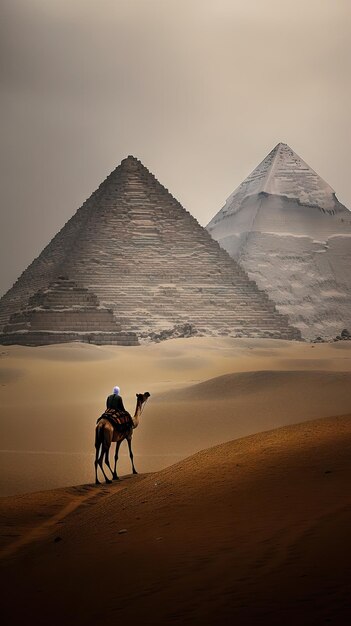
x=98 y=443
x=100 y=462
x=118 y=443
x=107 y=461
x=97 y=482
x=131 y=455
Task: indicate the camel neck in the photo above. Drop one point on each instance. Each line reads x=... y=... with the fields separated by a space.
x=137 y=414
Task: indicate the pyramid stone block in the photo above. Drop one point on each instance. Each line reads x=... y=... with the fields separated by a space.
x=147 y=259
x=64 y=312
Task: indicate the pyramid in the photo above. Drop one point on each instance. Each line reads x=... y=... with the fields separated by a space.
x=287 y=229
x=145 y=258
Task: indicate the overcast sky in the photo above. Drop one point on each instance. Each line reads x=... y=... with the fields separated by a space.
x=199 y=90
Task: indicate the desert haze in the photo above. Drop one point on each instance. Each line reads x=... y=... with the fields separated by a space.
x=128 y=125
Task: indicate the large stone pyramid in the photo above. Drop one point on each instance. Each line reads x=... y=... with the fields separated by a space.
x=287 y=229
x=147 y=260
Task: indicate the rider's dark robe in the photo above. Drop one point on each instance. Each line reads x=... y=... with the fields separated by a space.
x=116 y=414
x=115 y=402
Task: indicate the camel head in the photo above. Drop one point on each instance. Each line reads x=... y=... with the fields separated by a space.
x=142 y=397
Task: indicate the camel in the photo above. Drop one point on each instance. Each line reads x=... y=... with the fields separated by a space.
x=105 y=434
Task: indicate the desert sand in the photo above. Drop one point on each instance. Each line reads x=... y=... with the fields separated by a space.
x=204 y=391
x=253 y=531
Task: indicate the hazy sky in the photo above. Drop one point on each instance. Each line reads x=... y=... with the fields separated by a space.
x=199 y=90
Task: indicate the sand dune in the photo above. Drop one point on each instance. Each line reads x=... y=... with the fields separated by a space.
x=233 y=385
x=204 y=391
x=239 y=404
x=254 y=531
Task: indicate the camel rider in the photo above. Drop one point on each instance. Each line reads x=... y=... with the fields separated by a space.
x=114 y=401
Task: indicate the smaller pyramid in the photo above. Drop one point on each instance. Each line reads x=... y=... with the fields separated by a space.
x=289 y=232
x=64 y=312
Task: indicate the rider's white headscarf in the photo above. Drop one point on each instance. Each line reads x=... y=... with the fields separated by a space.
x=116 y=391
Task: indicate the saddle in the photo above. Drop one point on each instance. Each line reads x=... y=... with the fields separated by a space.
x=120 y=420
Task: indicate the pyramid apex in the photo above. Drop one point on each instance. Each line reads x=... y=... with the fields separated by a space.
x=130 y=159
x=282 y=173
x=130 y=162
x=281 y=144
